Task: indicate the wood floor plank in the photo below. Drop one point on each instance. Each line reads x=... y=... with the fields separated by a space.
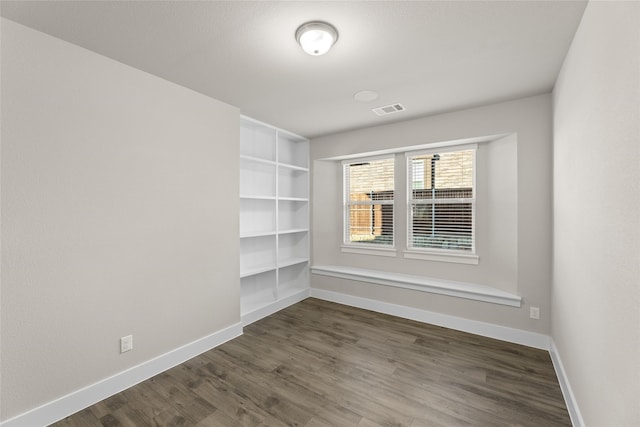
x=319 y=364
x=84 y=418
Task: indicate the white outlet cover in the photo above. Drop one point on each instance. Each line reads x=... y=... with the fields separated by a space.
x=534 y=312
x=126 y=343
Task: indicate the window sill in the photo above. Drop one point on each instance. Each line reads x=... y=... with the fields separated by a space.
x=459 y=258
x=390 y=252
x=470 y=291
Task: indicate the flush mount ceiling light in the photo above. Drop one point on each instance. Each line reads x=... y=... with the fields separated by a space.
x=316 y=37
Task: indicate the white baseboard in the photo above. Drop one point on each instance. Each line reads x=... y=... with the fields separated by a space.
x=518 y=336
x=567 y=392
x=275 y=306
x=80 y=399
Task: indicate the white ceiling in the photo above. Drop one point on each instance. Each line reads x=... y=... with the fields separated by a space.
x=431 y=56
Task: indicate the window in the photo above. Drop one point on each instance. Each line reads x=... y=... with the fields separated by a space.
x=441 y=204
x=368 y=202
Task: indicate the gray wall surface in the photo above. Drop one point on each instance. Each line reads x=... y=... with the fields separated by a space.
x=596 y=246
x=112 y=187
x=513 y=211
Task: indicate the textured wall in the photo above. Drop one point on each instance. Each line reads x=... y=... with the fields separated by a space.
x=112 y=186
x=596 y=280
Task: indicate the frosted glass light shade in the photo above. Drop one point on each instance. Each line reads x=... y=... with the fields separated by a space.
x=316 y=38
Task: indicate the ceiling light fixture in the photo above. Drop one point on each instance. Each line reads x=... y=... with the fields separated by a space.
x=316 y=37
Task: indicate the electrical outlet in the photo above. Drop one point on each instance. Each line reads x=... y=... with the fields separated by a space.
x=534 y=312
x=126 y=343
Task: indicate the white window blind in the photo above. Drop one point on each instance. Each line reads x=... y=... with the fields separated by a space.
x=442 y=200
x=368 y=202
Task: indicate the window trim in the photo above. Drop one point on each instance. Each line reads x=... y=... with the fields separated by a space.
x=361 y=248
x=368 y=250
x=435 y=254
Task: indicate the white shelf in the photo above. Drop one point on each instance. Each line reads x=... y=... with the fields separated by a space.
x=257 y=140
x=257 y=270
x=293 y=215
x=293 y=183
x=257 y=217
x=257 y=234
x=293 y=150
x=293 y=199
x=257 y=290
x=293 y=167
x=257 y=179
x=293 y=230
x=259 y=160
x=293 y=245
x=291 y=279
x=246 y=197
x=258 y=253
x=292 y=261
x=274 y=219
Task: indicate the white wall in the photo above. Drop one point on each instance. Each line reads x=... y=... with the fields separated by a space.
x=514 y=211
x=119 y=216
x=596 y=279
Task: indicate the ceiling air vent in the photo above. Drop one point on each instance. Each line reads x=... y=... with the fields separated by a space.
x=388 y=109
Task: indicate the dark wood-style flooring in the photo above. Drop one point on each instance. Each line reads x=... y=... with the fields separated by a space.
x=323 y=364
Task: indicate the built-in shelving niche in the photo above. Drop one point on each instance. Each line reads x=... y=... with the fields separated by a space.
x=274 y=219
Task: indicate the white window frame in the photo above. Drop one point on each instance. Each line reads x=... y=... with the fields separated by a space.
x=435 y=254
x=364 y=248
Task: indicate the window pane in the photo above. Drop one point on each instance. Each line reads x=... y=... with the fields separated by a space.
x=371 y=180
x=371 y=224
x=367 y=183
x=443 y=176
x=442 y=226
x=442 y=200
